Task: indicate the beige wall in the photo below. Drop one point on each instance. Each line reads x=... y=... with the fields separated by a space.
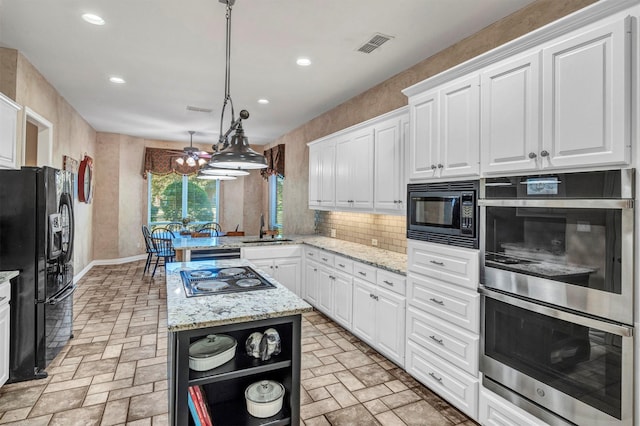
x=386 y=97
x=72 y=135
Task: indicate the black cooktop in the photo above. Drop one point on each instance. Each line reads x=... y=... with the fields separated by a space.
x=209 y=281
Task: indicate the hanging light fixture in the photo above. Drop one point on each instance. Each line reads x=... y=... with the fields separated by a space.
x=191 y=155
x=236 y=154
x=214 y=177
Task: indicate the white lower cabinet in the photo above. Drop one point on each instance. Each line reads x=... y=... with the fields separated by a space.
x=457 y=387
x=364 y=310
x=310 y=293
x=283 y=263
x=325 y=290
x=5 y=296
x=494 y=410
x=342 y=299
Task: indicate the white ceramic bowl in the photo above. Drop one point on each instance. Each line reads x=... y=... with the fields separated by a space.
x=264 y=398
x=211 y=352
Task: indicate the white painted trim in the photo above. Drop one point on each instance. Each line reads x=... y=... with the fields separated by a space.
x=45 y=137
x=572 y=22
x=77 y=277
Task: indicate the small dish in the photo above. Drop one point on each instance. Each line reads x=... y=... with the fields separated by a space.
x=264 y=398
x=211 y=352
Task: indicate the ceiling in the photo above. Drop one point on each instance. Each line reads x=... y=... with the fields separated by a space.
x=171 y=54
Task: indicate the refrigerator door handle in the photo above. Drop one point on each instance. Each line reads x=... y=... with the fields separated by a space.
x=68 y=292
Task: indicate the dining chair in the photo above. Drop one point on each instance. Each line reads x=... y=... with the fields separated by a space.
x=161 y=239
x=149 y=247
x=212 y=228
x=174 y=226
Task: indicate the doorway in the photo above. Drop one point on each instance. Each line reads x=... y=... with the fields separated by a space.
x=37 y=147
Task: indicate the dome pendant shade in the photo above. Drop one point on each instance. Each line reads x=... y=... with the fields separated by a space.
x=238 y=155
x=214 y=177
x=211 y=170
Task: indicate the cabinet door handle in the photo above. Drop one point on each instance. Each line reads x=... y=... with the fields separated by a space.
x=315 y=269
x=532 y=155
x=332 y=277
x=310 y=254
x=435 y=262
x=439 y=302
x=435 y=339
x=388 y=283
x=440 y=166
x=433 y=167
x=364 y=274
x=341 y=265
x=436 y=378
x=544 y=153
x=376 y=297
x=276 y=266
x=325 y=259
x=371 y=296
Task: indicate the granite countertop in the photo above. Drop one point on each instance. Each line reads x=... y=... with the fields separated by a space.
x=188 y=313
x=7 y=275
x=384 y=259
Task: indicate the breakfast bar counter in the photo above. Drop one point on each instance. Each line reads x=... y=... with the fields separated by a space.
x=238 y=315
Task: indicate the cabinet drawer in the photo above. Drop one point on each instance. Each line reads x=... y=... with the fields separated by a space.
x=5 y=292
x=453 y=304
x=343 y=264
x=494 y=410
x=365 y=272
x=390 y=281
x=451 y=343
x=455 y=265
x=457 y=387
x=325 y=258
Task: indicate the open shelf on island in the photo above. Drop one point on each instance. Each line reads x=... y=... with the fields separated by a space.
x=235 y=413
x=241 y=365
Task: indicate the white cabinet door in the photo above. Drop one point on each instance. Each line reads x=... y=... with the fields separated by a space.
x=459 y=141
x=311 y=282
x=389 y=161
x=361 y=179
x=586 y=98
x=287 y=272
x=327 y=174
x=325 y=290
x=342 y=299
x=510 y=93
x=8 y=133
x=423 y=140
x=390 y=325
x=343 y=171
x=4 y=342
x=364 y=308
x=315 y=175
x=265 y=264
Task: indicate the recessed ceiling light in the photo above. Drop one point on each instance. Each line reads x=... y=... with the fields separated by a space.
x=117 y=80
x=93 y=19
x=303 y=62
x=263 y=101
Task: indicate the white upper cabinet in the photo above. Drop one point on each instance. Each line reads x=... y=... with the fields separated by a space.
x=322 y=158
x=9 y=158
x=389 y=182
x=586 y=94
x=510 y=94
x=354 y=170
x=445 y=131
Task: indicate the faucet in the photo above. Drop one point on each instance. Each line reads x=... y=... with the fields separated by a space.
x=261 y=225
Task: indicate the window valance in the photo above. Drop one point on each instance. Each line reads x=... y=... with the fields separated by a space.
x=161 y=161
x=275 y=162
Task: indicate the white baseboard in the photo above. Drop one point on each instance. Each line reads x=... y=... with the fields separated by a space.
x=77 y=277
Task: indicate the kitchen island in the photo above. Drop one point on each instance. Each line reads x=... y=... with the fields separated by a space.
x=238 y=315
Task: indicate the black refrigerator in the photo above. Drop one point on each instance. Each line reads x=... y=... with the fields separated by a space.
x=36 y=238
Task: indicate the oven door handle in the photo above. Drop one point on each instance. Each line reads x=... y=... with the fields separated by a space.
x=620 y=204
x=617 y=329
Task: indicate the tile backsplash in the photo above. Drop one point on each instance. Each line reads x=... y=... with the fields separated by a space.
x=390 y=231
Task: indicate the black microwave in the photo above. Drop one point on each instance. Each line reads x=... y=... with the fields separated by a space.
x=444 y=213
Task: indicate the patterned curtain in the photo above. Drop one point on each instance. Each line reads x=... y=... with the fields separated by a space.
x=161 y=161
x=275 y=162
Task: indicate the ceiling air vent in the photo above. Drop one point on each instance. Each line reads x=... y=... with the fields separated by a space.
x=198 y=109
x=372 y=44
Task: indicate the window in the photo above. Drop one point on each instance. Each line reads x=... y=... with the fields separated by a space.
x=275 y=201
x=173 y=197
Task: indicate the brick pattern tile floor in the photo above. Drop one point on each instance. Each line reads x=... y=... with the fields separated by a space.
x=113 y=372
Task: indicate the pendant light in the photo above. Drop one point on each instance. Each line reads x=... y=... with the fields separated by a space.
x=236 y=154
x=214 y=177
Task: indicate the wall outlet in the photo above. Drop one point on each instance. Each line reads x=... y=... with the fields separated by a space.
x=333 y=233
x=374 y=242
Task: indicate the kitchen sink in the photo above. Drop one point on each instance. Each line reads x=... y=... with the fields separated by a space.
x=268 y=241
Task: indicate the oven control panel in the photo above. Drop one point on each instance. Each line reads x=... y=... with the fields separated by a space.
x=467 y=213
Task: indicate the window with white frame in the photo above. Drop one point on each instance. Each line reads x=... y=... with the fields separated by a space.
x=173 y=197
x=275 y=202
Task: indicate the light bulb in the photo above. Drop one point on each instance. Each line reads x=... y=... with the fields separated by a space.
x=180 y=160
x=191 y=162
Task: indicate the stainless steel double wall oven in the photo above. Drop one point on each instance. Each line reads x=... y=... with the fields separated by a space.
x=557 y=294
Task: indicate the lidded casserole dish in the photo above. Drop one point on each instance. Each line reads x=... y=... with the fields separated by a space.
x=211 y=352
x=264 y=398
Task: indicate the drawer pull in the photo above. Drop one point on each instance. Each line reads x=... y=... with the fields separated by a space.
x=310 y=254
x=315 y=269
x=332 y=277
x=364 y=274
x=438 y=341
x=325 y=259
x=371 y=296
x=439 y=302
x=435 y=262
x=388 y=283
x=341 y=265
x=436 y=378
